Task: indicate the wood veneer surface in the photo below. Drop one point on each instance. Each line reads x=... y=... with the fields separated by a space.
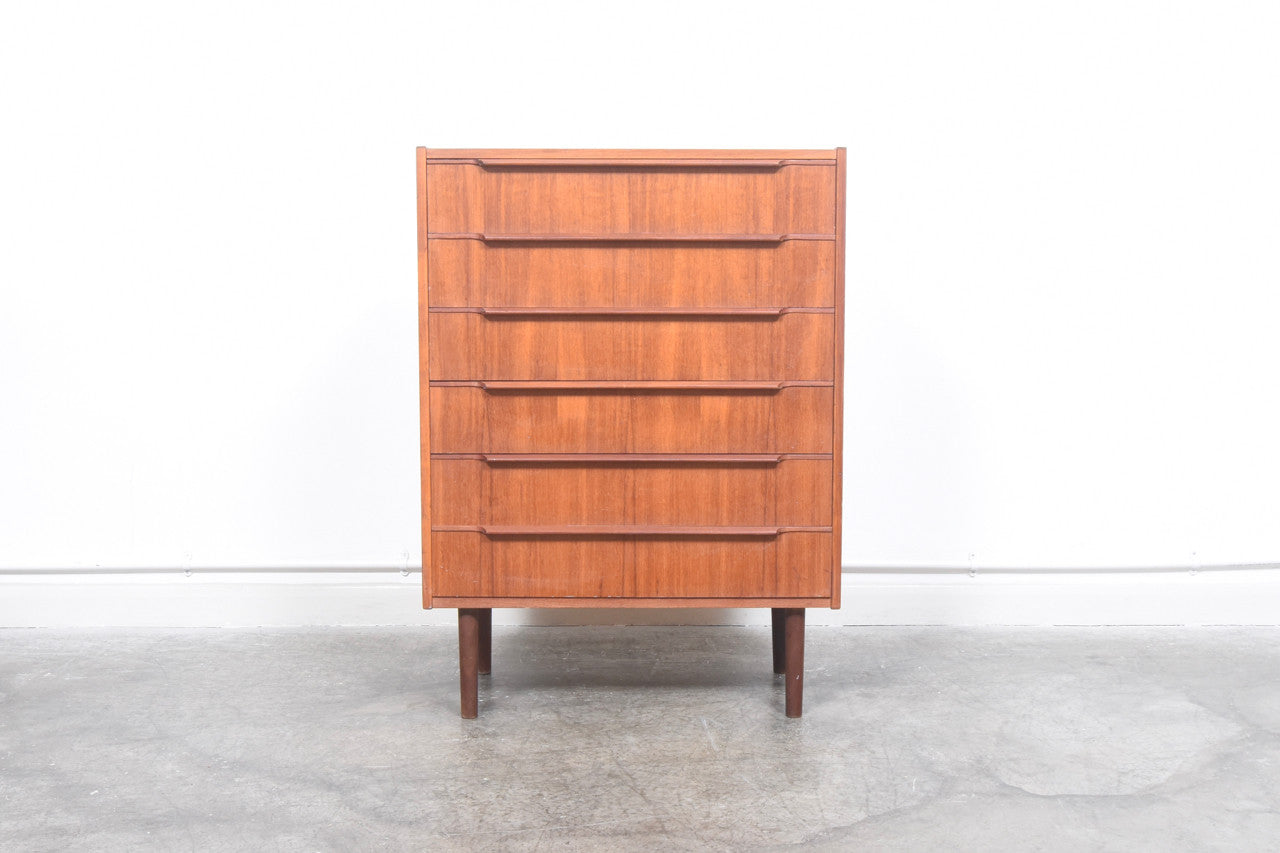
x=673 y=321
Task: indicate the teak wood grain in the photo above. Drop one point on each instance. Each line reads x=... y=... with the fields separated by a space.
x=476 y=273
x=837 y=420
x=793 y=492
x=726 y=347
x=631 y=378
x=424 y=385
x=468 y=199
x=625 y=155
x=611 y=569
x=470 y=419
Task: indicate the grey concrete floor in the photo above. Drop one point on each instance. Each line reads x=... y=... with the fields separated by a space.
x=914 y=739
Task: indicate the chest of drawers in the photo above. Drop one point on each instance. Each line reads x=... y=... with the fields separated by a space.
x=631 y=371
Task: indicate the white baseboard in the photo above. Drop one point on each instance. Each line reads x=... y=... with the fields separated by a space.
x=1245 y=595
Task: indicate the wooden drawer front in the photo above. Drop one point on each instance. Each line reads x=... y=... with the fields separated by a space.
x=577 y=347
x=541 y=492
x=470 y=564
x=465 y=198
x=469 y=419
x=792 y=564
x=638 y=275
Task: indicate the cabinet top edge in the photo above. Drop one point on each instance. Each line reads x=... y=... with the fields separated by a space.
x=827 y=154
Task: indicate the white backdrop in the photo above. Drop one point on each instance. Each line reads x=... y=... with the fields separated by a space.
x=1064 y=258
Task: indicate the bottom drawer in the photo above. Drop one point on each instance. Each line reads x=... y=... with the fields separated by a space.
x=753 y=564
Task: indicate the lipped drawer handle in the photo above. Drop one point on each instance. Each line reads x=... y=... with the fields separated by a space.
x=621 y=164
x=571 y=531
x=627 y=386
x=597 y=237
x=731 y=313
x=601 y=237
x=768 y=459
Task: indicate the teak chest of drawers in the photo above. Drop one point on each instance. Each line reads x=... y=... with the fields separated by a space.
x=631 y=371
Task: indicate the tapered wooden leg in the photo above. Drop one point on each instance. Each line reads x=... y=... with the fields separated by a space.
x=468 y=658
x=485 y=654
x=779 y=656
x=794 y=630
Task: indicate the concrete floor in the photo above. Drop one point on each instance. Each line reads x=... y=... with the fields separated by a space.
x=641 y=739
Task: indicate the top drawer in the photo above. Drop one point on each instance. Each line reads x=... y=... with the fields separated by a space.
x=497 y=199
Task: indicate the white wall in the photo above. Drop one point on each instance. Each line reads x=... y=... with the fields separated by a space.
x=1062 y=275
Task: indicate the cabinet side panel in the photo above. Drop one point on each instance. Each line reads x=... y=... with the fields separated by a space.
x=837 y=421
x=424 y=388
